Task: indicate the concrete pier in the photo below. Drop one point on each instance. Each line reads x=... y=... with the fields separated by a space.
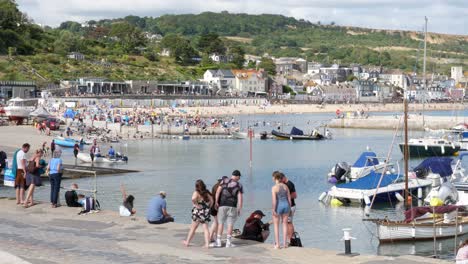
x=41 y=234
x=415 y=122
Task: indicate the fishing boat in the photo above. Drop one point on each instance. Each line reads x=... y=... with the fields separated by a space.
x=18 y=109
x=417 y=226
x=431 y=146
x=297 y=134
x=86 y=158
x=367 y=162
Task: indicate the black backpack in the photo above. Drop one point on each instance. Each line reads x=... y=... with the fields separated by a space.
x=3 y=157
x=295 y=240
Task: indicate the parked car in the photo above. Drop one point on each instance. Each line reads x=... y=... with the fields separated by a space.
x=52 y=123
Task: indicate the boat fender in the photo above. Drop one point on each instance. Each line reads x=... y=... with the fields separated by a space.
x=322 y=196
x=425 y=147
x=367 y=200
x=436 y=201
x=332 y=180
x=291 y=138
x=420 y=193
x=399 y=197
x=335 y=202
x=442 y=148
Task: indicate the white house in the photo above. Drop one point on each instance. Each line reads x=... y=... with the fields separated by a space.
x=165 y=52
x=219 y=79
x=396 y=79
x=76 y=56
x=249 y=81
x=221 y=58
x=456 y=73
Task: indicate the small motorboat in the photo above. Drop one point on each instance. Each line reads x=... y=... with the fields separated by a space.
x=367 y=162
x=40 y=114
x=66 y=142
x=297 y=134
x=86 y=158
x=239 y=135
x=264 y=135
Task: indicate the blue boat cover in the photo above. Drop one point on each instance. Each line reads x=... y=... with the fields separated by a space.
x=370 y=181
x=439 y=165
x=464 y=134
x=297 y=132
x=366 y=159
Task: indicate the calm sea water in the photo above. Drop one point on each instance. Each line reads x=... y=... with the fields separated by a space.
x=174 y=165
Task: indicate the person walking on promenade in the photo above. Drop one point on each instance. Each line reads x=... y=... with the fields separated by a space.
x=55 y=169
x=19 y=166
x=33 y=177
x=214 y=210
x=202 y=202
x=292 y=192
x=229 y=204
x=52 y=148
x=156 y=212
x=281 y=203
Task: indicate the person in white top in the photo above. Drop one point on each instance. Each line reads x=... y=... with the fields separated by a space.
x=21 y=165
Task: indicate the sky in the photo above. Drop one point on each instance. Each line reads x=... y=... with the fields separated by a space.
x=445 y=16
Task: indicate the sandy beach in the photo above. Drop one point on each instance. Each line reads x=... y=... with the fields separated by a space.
x=314 y=108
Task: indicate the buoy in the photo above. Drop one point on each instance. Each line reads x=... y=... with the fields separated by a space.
x=367 y=200
x=420 y=193
x=399 y=197
x=335 y=202
x=322 y=196
x=456 y=154
x=332 y=180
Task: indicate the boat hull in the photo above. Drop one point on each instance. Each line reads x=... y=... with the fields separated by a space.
x=430 y=151
x=86 y=158
x=280 y=135
x=389 y=232
x=65 y=143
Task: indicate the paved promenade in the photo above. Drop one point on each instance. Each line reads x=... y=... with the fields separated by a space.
x=41 y=234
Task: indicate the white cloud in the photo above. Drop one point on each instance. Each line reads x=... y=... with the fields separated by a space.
x=448 y=16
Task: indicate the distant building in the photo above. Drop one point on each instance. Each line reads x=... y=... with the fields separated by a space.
x=396 y=79
x=76 y=56
x=457 y=73
x=331 y=93
x=96 y=86
x=222 y=79
x=22 y=89
x=249 y=81
x=287 y=65
x=165 y=52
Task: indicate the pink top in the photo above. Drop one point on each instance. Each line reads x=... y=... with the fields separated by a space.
x=462 y=254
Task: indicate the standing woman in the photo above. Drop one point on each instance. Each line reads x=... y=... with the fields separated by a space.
x=281 y=207
x=55 y=169
x=202 y=202
x=33 y=176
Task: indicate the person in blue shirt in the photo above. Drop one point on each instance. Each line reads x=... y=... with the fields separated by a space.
x=111 y=152
x=156 y=212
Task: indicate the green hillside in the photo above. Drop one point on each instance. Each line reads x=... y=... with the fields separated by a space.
x=121 y=48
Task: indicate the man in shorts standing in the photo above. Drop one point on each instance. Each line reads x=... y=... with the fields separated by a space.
x=21 y=165
x=229 y=203
x=292 y=191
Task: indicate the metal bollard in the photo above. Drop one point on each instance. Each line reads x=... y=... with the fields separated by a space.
x=347 y=239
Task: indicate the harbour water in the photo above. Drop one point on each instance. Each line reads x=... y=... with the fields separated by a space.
x=174 y=165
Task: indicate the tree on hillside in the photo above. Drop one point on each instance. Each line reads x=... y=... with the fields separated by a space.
x=268 y=65
x=180 y=48
x=66 y=42
x=10 y=16
x=71 y=26
x=237 y=53
x=128 y=36
x=211 y=43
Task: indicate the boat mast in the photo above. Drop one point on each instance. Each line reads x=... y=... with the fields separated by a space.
x=424 y=71
x=406 y=150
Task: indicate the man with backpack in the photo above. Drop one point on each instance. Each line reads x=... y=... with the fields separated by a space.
x=229 y=203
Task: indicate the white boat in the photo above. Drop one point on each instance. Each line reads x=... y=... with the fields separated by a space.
x=239 y=135
x=365 y=164
x=424 y=228
x=18 y=109
x=40 y=114
x=86 y=158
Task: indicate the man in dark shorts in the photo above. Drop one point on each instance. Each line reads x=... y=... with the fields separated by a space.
x=157 y=213
x=292 y=191
x=52 y=147
x=21 y=166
